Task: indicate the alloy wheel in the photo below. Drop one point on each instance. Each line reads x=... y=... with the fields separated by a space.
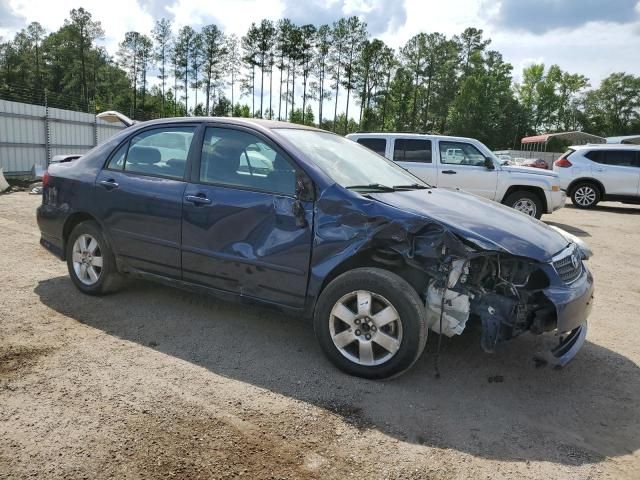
x=365 y=328
x=87 y=259
x=526 y=206
x=585 y=196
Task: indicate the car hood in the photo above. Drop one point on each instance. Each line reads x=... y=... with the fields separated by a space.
x=488 y=224
x=528 y=170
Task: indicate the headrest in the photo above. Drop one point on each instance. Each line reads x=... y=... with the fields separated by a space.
x=144 y=155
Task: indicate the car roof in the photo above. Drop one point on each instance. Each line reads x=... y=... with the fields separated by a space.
x=241 y=121
x=605 y=146
x=408 y=135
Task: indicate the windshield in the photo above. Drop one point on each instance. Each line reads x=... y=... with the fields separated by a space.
x=348 y=163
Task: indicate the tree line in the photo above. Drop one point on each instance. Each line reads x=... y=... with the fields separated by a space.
x=334 y=76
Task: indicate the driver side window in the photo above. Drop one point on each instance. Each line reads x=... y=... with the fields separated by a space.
x=241 y=159
x=460 y=153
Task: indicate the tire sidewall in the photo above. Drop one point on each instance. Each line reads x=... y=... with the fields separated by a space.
x=582 y=185
x=517 y=196
x=108 y=263
x=403 y=298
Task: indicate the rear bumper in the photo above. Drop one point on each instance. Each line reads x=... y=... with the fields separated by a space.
x=50 y=221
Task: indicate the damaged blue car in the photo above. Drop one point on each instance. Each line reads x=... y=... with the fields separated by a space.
x=316 y=225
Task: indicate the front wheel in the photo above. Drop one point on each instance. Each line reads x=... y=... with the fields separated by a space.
x=371 y=323
x=90 y=261
x=526 y=202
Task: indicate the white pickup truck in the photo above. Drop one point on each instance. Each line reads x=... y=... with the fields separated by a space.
x=467 y=164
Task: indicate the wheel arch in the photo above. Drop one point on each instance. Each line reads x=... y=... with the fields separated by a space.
x=538 y=191
x=72 y=222
x=374 y=258
x=577 y=181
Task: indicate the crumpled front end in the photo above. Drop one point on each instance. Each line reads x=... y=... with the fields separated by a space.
x=464 y=276
x=509 y=296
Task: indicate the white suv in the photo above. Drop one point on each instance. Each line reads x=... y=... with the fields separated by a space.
x=590 y=173
x=467 y=164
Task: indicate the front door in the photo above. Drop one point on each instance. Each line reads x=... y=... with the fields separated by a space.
x=139 y=197
x=462 y=166
x=243 y=230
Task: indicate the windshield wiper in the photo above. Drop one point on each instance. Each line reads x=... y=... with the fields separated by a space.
x=372 y=186
x=413 y=186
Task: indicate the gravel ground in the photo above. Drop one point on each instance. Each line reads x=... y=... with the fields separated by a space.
x=154 y=382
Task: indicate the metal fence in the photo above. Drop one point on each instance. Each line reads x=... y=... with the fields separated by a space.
x=33 y=134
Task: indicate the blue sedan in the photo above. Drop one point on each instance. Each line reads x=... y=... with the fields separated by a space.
x=317 y=226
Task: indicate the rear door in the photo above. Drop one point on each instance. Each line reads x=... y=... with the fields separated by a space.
x=461 y=165
x=616 y=169
x=416 y=156
x=243 y=229
x=139 y=197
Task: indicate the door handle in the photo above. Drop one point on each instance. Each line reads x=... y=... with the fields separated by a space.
x=198 y=199
x=600 y=169
x=109 y=184
x=449 y=172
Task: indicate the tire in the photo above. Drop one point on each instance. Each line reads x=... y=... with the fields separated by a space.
x=82 y=259
x=526 y=202
x=404 y=338
x=585 y=195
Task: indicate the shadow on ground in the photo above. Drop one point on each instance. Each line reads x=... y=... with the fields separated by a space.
x=494 y=406
x=612 y=207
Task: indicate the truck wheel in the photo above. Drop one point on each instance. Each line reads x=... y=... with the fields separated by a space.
x=585 y=195
x=526 y=202
x=90 y=261
x=371 y=323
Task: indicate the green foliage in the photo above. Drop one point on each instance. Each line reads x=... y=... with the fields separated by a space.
x=434 y=83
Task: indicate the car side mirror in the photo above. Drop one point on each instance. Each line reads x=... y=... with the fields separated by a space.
x=489 y=164
x=305 y=190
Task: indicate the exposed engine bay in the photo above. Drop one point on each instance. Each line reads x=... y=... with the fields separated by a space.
x=504 y=293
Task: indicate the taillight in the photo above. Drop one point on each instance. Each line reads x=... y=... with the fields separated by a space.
x=563 y=163
x=45 y=179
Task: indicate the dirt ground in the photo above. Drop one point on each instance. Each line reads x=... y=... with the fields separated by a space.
x=154 y=382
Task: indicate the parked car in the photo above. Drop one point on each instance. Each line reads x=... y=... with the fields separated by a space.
x=467 y=164
x=591 y=173
x=325 y=230
x=535 y=163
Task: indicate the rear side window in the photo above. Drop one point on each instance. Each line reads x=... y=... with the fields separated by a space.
x=412 y=150
x=378 y=145
x=159 y=152
x=621 y=158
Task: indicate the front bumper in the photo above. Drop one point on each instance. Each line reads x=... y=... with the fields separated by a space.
x=555 y=200
x=573 y=303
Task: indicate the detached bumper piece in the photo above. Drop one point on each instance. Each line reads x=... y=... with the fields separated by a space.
x=564 y=352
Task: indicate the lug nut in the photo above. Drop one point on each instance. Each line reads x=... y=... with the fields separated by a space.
x=367 y=336
x=373 y=328
x=357 y=321
x=358 y=332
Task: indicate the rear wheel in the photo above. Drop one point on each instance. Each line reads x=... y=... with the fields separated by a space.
x=90 y=261
x=526 y=202
x=371 y=323
x=585 y=195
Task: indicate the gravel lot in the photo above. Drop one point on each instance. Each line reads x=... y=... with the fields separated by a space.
x=158 y=383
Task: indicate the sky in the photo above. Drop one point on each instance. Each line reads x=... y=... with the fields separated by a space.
x=591 y=37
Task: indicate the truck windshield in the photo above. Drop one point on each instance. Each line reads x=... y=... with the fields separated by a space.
x=349 y=164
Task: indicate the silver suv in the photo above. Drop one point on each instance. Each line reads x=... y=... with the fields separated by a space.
x=590 y=173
